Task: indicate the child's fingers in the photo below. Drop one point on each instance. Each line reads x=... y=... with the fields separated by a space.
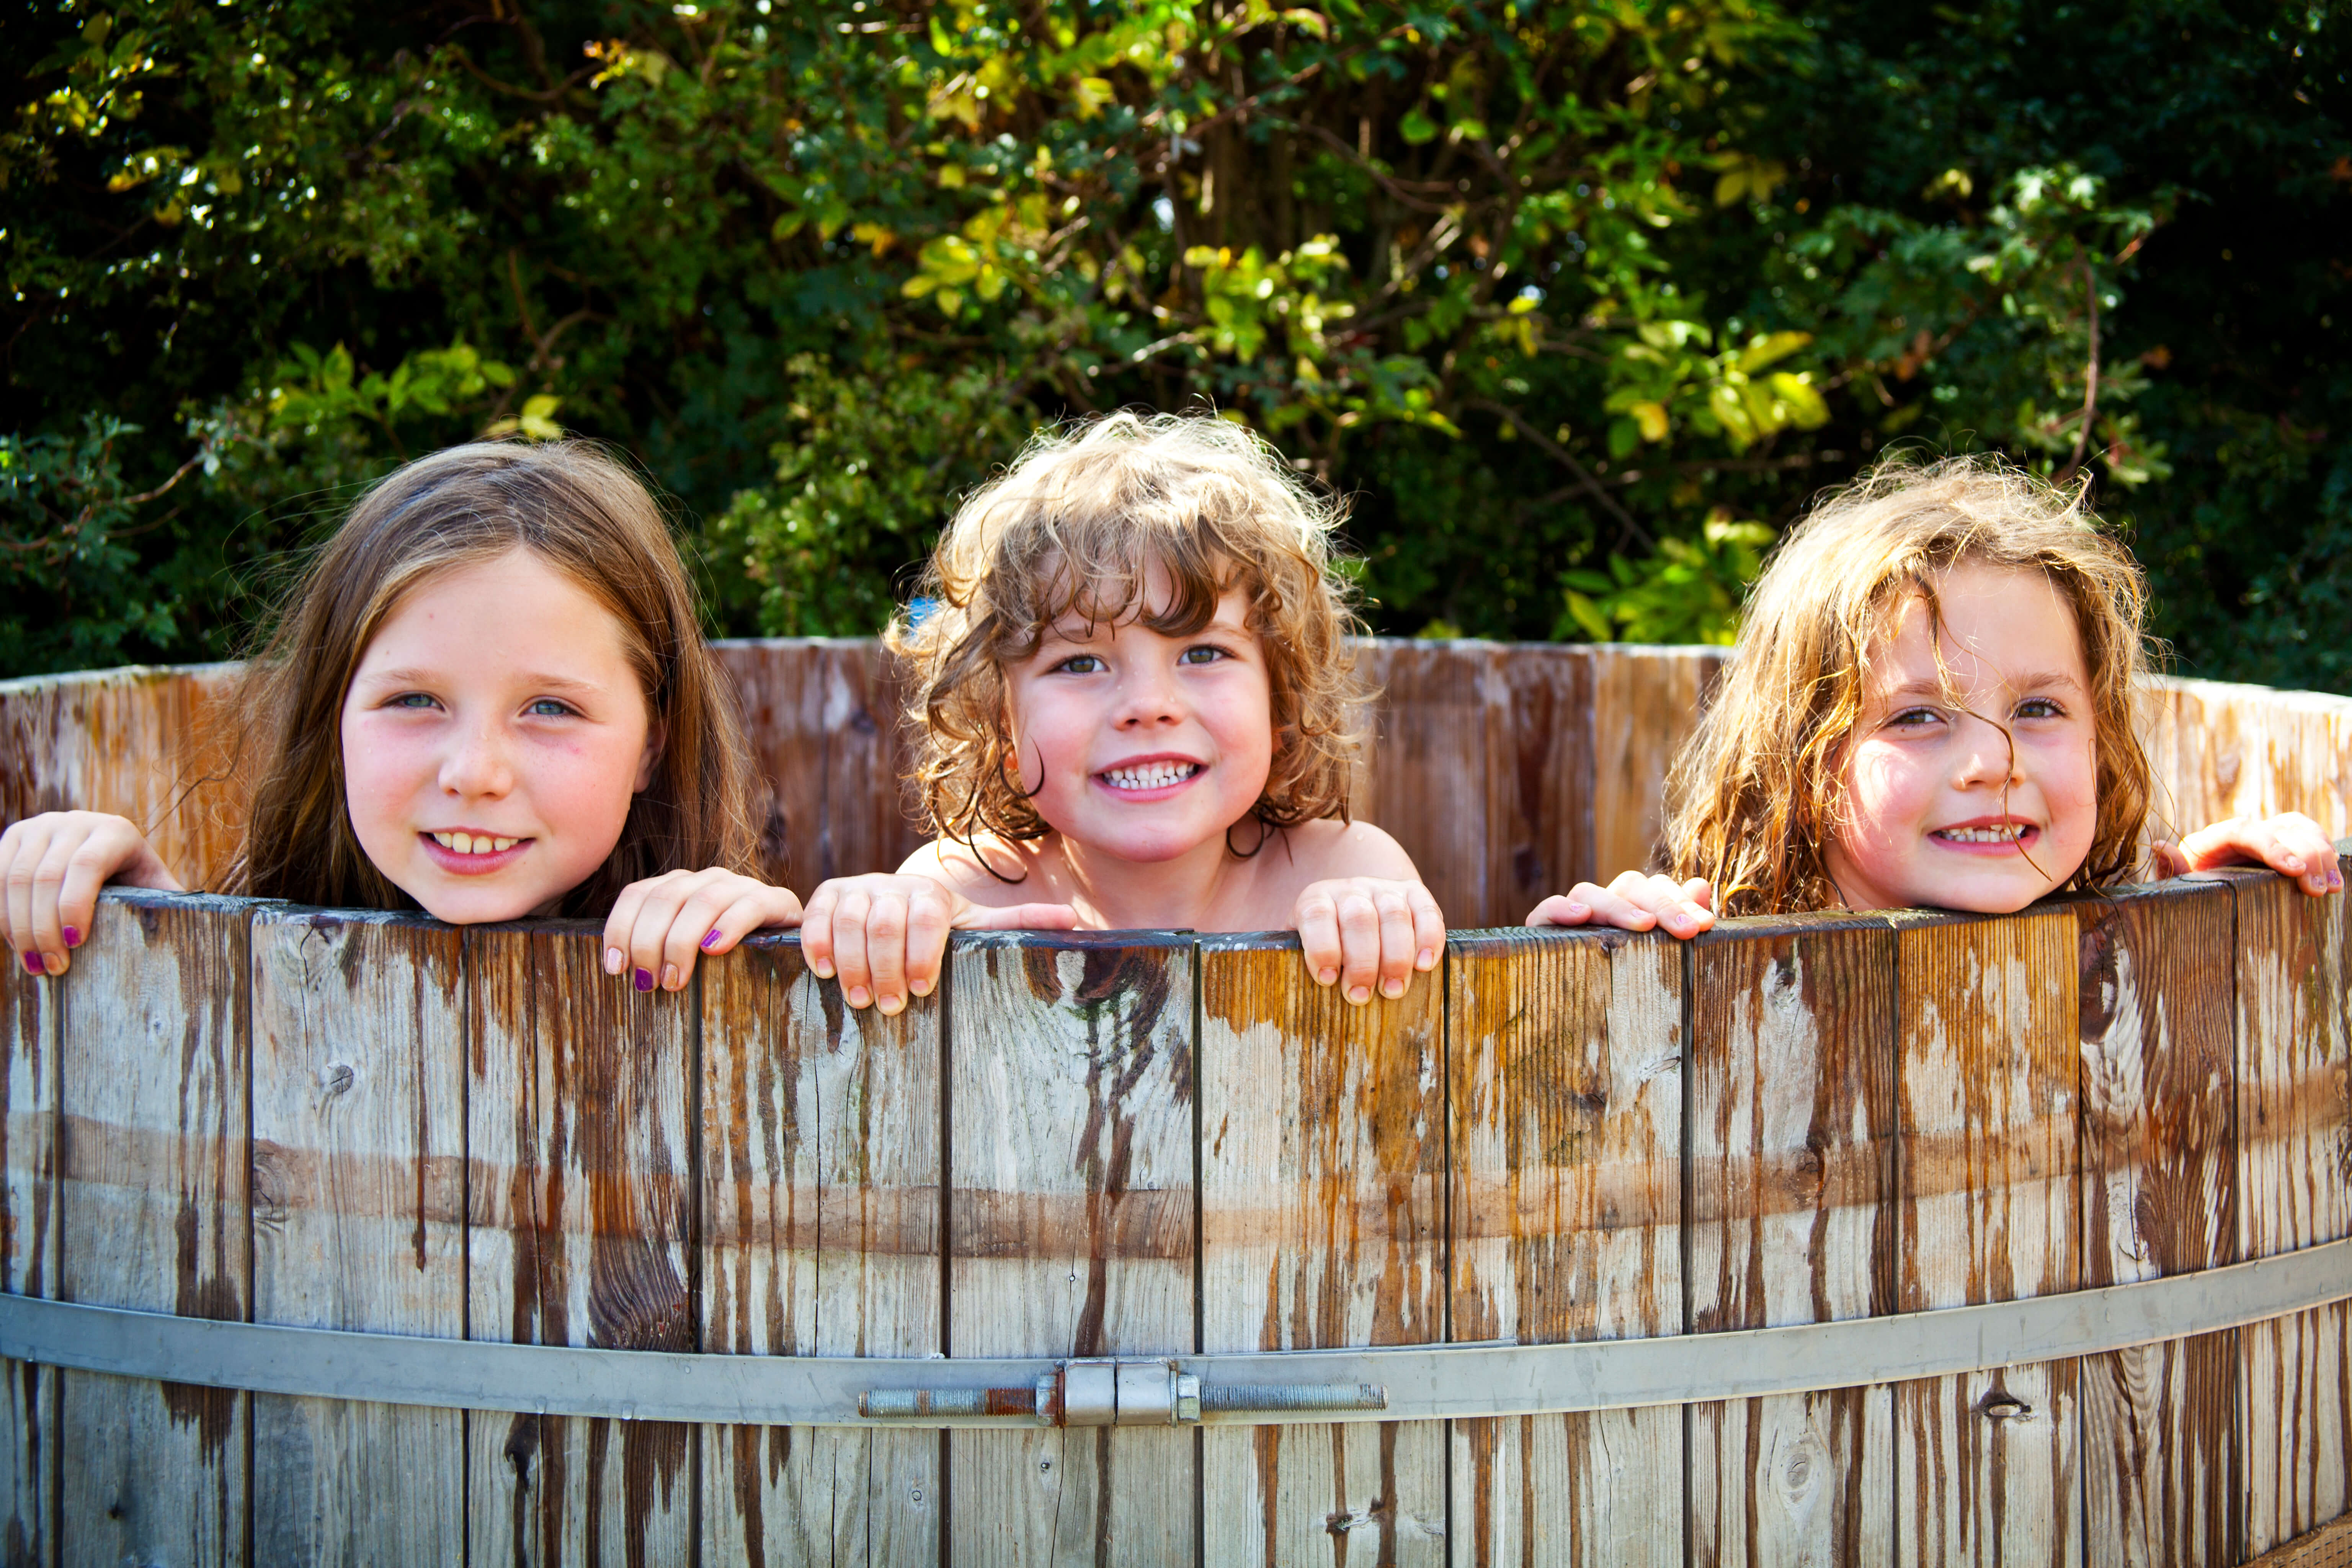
x=86 y=869
x=620 y=926
x=1428 y=926
x=1360 y=944
x=817 y=930
x=930 y=915
x=1564 y=908
x=1611 y=907
x=1318 y=934
x=21 y=853
x=885 y=951
x=706 y=897
x=649 y=929
x=1397 y=945
x=1665 y=901
x=849 y=946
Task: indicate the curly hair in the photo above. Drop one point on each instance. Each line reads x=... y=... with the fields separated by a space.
x=1078 y=525
x=1758 y=786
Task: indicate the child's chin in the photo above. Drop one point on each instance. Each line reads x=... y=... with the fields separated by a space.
x=476 y=905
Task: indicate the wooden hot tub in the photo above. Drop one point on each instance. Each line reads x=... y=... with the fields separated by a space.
x=1172 y=1151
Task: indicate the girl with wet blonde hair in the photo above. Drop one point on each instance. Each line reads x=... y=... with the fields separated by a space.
x=1930 y=704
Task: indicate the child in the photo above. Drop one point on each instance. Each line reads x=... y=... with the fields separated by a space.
x=1133 y=698
x=488 y=698
x=1929 y=705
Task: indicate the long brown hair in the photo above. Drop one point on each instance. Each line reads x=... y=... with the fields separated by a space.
x=1759 y=788
x=1078 y=524
x=584 y=514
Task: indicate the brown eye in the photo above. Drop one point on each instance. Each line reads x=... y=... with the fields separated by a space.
x=1079 y=664
x=1205 y=654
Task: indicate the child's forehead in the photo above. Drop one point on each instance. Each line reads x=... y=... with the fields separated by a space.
x=1978 y=617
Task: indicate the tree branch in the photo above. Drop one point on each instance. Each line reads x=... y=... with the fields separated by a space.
x=1585 y=480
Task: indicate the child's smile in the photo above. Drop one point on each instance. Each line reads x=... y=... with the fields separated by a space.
x=1971 y=781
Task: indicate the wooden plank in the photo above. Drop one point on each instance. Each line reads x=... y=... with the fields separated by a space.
x=1645 y=701
x=1989 y=1175
x=1792 y=1220
x=1322 y=1198
x=2329 y=1546
x=823 y=715
x=2294 y=1190
x=1070 y=1231
x=1431 y=720
x=1565 y=1063
x=28 y=1256
x=579 y=1187
x=151 y=744
x=359 y=1062
x=821 y=1236
x=2160 y=1195
x=153 y=1214
x=1539 y=764
x=2221 y=749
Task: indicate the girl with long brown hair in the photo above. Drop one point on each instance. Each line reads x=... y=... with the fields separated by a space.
x=487 y=698
x=1930 y=704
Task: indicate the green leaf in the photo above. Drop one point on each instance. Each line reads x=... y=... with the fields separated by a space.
x=1416 y=127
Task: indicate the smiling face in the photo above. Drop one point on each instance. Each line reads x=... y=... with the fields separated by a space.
x=1139 y=745
x=1943 y=810
x=493 y=734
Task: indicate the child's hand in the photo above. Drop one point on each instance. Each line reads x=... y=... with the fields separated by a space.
x=1632 y=902
x=657 y=926
x=1356 y=930
x=884 y=934
x=52 y=866
x=2290 y=844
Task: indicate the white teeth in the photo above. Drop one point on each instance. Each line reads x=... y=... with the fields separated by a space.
x=2006 y=832
x=1149 y=775
x=474 y=844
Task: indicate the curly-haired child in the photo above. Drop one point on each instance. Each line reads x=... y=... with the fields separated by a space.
x=1929 y=705
x=1134 y=702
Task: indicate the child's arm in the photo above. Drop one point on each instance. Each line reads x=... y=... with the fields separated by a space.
x=886 y=934
x=660 y=925
x=1632 y=902
x=52 y=866
x=2290 y=844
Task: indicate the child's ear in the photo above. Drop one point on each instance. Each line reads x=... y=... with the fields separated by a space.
x=657 y=736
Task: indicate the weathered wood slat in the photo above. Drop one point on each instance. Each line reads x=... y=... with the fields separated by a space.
x=1565 y=1067
x=2220 y=749
x=2159 y=1198
x=579 y=1191
x=1791 y=1148
x=1431 y=718
x=153 y=1214
x=1987 y=1465
x=359 y=1064
x=1538 y=763
x=821 y=1236
x=2294 y=1190
x=28 y=1256
x=1645 y=700
x=151 y=744
x=1322 y=1200
x=1071 y=1187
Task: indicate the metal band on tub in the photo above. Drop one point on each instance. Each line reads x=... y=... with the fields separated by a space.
x=1414 y=1382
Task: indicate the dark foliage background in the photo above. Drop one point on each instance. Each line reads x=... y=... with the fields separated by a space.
x=1580 y=303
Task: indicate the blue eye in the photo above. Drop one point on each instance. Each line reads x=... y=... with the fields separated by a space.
x=1202 y=655
x=548 y=708
x=413 y=700
x=1079 y=664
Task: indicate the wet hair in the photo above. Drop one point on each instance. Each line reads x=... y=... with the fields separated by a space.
x=1075 y=527
x=1759 y=788
x=584 y=514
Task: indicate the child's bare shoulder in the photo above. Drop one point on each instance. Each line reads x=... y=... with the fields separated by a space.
x=990 y=871
x=1330 y=848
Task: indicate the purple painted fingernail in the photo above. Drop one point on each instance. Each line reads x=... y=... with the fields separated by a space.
x=645 y=979
x=73 y=937
x=33 y=963
x=711 y=941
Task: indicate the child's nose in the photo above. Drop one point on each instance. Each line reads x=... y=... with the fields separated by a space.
x=1149 y=696
x=1988 y=755
x=480 y=764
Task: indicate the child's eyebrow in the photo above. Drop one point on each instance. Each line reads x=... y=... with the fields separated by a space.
x=535 y=681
